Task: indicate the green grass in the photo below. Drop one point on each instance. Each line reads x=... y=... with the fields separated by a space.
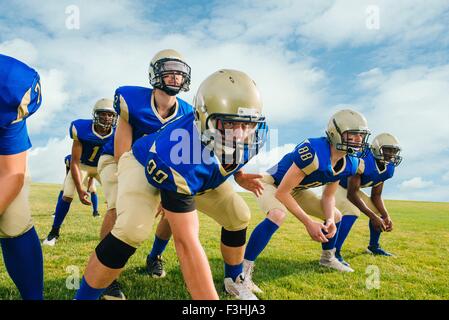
x=287 y=269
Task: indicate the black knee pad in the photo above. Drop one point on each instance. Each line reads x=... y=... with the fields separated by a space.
x=233 y=238
x=114 y=253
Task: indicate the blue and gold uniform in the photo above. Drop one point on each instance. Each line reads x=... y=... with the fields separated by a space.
x=372 y=176
x=20 y=97
x=165 y=161
x=67 y=160
x=136 y=106
x=84 y=132
x=190 y=171
x=313 y=157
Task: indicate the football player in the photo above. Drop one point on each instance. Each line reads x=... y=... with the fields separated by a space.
x=20 y=97
x=314 y=162
x=184 y=167
x=90 y=188
x=142 y=111
x=379 y=165
x=89 y=136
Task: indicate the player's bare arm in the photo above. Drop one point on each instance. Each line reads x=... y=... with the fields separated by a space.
x=328 y=205
x=12 y=174
x=353 y=189
x=192 y=258
x=77 y=149
x=123 y=138
x=293 y=178
x=376 y=197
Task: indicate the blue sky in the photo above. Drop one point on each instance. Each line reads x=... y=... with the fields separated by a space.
x=386 y=59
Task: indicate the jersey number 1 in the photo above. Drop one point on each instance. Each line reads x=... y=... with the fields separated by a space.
x=94 y=153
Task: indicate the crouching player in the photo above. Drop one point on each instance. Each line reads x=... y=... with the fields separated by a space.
x=184 y=166
x=90 y=188
x=379 y=165
x=89 y=136
x=314 y=162
x=20 y=97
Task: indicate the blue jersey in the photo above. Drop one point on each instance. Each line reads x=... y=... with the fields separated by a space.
x=176 y=160
x=108 y=148
x=83 y=131
x=136 y=106
x=371 y=175
x=67 y=160
x=313 y=157
x=20 y=97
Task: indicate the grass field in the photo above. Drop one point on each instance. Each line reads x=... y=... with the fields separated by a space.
x=287 y=269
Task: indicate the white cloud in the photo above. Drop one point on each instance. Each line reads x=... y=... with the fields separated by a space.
x=445 y=177
x=54 y=100
x=46 y=164
x=416 y=183
x=270 y=40
x=411 y=104
x=20 y=49
x=345 y=22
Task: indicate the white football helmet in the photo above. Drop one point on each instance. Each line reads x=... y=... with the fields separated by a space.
x=104 y=105
x=169 y=62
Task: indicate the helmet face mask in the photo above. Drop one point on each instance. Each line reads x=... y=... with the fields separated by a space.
x=104 y=114
x=353 y=147
x=232 y=135
x=102 y=119
x=390 y=154
x=167 y=67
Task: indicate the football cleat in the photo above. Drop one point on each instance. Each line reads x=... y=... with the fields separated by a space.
x=238 y=289
x=328 y=260
x=95 y=214
x=155 y=267
x=340 y=258
x=51 y=238
x=248 y=269
x=113 y=292
x=378 y=251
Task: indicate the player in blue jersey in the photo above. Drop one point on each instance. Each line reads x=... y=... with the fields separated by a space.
x=379 y=165
x=314 y=162
x=90 y=188
x=89 y=136
x=142 y=111
x=185 y=166
x=20 y=97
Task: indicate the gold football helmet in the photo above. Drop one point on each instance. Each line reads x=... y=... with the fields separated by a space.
x=386 y=148
x=225 y=100
x=344 y=123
